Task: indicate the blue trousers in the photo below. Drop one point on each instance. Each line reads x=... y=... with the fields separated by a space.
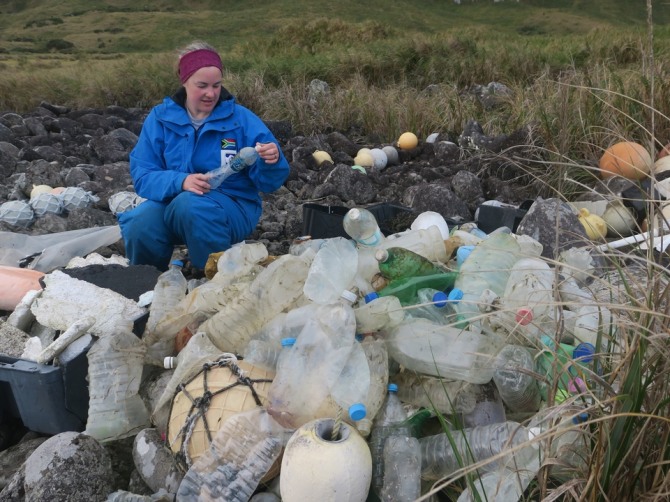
x=204 y=223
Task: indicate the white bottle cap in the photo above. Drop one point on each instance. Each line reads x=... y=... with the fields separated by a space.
x=169 y=362
x=349 y=296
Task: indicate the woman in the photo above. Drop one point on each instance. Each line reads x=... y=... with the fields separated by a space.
x=189 y=134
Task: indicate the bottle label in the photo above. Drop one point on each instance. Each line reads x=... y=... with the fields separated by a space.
x=373 y=240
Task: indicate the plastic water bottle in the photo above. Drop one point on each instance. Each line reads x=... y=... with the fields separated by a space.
x=388 y=422
x=170 y=289
x=439 y=458
x=262 y=354
x=241 y=454
x=446 y=396
x=351 y=387
x=302 y=384
x=278 y=287
x=244 y=158
x=489 y=408
x=555 y=363
x=397 y=262
x=378 y=363
x=378 y=314
x=361 y=225
x=332 y=271
x=518 y=388
x=402 y=469
x=406 y=288
x=438 y=307
x=115 y=408
x=444 y=351
x=487 y=267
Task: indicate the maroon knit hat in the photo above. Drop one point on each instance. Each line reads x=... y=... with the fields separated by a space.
x=193 y=61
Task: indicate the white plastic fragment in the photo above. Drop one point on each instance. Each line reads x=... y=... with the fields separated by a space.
x=77 y=330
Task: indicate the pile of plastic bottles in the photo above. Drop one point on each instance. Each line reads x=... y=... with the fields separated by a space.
x=397 y=361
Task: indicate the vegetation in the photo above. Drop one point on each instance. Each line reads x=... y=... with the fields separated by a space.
x=583 y=75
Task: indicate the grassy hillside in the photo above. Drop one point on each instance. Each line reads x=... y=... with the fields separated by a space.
x=123 y=26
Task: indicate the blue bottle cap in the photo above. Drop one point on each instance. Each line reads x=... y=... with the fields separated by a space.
x=287 y=342
x=357 y=411
x=455 y=295
x=440 y=299
x=581 y=418
x=359 y=337
x=584 y=352
x=179 y=263
x=393 y=387
x=462 y=253
x=371 y=296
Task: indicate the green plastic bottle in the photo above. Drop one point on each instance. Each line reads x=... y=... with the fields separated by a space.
x=397 y=262
x=406 y=288
x=545 y=366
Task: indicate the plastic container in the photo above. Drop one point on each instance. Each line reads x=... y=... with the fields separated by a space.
x=352 y=386
x=402 y=469
x=518 y=388
x=244 y=158
x=439 y=458
x=555 y=363
x=116 y=410
x=300 y=391
x=428 y=219
x=332 y=271
x=263 y=354
x=378 y=363
x=438 y=307
x=241 y=454
x=361 y=225
x=397 y=262
x=170 y=289
x=444 y=351
x=489 y=408
x=378 y=314
x=446 y=396
x=388 y=422
x=274 y=290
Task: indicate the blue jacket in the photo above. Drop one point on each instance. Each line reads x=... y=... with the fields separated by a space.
x=169 y=149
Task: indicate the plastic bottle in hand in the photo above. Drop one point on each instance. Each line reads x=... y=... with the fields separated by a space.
x=389 y=422
x=245 y=158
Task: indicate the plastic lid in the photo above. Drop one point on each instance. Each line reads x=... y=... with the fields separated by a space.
x=179 y=263
x=524 y=316
x=581 y=418
x=359 y=337
x=354 y=213
x=169 y=362
x=462 y=253
x=287 y=342
x=393 y=387
x=440 y=299
x=584 y=352
x=381 y=255
x=455 y=295
x=371 y=296
x=357 y=411
x=349 y=296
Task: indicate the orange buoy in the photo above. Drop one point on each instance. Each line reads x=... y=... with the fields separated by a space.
x=627 y=159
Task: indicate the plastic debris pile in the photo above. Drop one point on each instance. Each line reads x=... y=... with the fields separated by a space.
x=394 y=362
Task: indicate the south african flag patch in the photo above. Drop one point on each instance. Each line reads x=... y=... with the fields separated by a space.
x=227 y=144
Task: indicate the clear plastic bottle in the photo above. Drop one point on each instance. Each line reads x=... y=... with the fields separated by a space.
x=438 y=458
x=361 y=225
x=352 y=385
x=446 y=396
x=444 y=351
x=402 y=469
x=518 y=388
x=377 y=356
x=438 y=307
x=378 y=314
x=278 y=287
x=244 y=158
x=390 y=421
x=170 y=289
x=396 y=263
x=332 y=271
x=303 y=383
x=241 y=454
x=489 y=407
x=262 y=354
x=487 y=267
x=115 y=409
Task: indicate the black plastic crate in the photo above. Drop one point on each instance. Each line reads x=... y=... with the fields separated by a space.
x=324 y=222
x=47 y=399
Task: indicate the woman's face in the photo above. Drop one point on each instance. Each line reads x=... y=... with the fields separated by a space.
x=203 y=89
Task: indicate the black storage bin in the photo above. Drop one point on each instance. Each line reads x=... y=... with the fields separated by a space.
x=490 y=218
x=47 y=399
x=324 y=222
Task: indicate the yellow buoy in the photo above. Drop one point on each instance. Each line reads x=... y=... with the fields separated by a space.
x=407 y=141
x=595 y=226
x=320 y=157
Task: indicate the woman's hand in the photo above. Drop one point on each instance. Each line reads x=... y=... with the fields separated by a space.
x=268 y=152
x=197 y=183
